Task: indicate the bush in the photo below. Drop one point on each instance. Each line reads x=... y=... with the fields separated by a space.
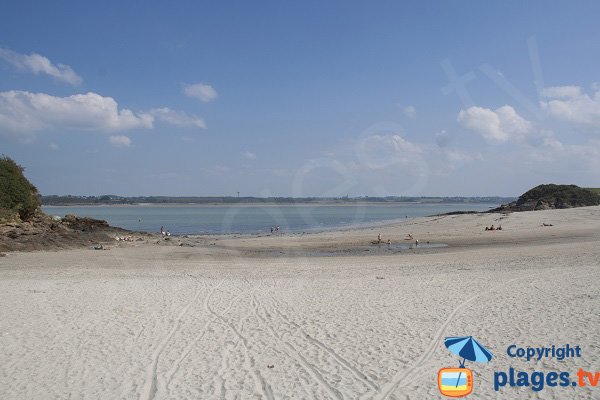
x=18 y=197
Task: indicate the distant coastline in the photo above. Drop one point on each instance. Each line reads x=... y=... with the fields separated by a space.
x=105 y=200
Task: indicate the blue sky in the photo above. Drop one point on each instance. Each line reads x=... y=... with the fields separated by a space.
x=300 y=99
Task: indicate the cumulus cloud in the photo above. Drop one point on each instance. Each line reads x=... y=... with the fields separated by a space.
x=119 y=141
x=410 y=112
x=569 y=103
x=179 y=118
x=249 y=155
x=200 y=91
x=500 y=125
x=25 y=112
x=38 y=64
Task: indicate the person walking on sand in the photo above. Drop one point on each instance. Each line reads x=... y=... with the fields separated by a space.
x=389 y=243
x=379 y=238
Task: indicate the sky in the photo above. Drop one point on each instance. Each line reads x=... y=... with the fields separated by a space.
x=311 y=98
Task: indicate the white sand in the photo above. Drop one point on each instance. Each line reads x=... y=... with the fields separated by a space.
x=147 y=321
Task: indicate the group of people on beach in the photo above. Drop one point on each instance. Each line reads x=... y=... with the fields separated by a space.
x=493 y=228
x=163 y=232
x=275 y=229
x=379 y=241
x=389 y=241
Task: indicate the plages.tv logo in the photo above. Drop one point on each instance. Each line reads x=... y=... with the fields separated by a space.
x=458 y=382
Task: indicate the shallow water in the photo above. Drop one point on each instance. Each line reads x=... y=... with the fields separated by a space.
x=212 y=219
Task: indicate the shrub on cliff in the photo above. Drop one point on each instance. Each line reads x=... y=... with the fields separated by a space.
x=18 y=197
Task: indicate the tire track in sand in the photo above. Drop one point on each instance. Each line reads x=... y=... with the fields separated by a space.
x=259 y=381
x=402 y=376
x=150 y=385
x=308 y=367
x=175 y=367
x=340 y=360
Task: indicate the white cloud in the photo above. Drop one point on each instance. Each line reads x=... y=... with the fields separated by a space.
x=396 y=142
x=119 y=141
x=386 y=150
x=500 y=125
x=178 y=118
x=561 y=91
x=569 y=103
x=38 y=64
x=25 y=112
x=410 y=112
x=200 y=91
x=555 y=155
x=249 y=155
x=53 y=146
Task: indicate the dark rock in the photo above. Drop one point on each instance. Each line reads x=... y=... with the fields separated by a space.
x=43 y=232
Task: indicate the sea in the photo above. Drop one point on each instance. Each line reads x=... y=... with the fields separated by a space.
x=250 y=218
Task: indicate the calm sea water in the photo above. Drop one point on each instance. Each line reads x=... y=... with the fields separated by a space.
x=202 y=219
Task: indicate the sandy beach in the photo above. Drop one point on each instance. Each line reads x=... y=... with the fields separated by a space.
x=314 y=316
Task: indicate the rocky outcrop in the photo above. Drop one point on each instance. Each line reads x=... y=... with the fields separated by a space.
x=24 y=227
x=550 y=196
x=43 y=232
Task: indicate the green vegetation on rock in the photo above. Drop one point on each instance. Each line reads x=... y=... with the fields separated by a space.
x=551 y=196
x=559 y=196
x=18 y=197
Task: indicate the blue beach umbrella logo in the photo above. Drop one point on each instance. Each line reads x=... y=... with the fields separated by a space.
x=458 y=382
x=468 y=348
